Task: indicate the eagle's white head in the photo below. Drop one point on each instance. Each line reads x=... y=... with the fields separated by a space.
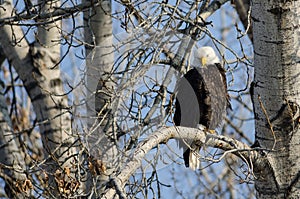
x=207 y=56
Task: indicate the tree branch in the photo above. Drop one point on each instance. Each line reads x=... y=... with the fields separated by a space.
x=213 y=7
x=57 y=12
x=243 y=9
x=164 y=134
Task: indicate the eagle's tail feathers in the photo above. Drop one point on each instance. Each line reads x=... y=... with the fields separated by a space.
x=191 y=158
x=186 y=157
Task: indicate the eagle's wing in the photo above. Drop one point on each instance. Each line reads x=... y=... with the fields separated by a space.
x=189 y=100
x=214 y=79
x=202 y=98
x=190 y=110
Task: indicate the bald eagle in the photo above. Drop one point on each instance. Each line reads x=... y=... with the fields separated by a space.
x=202 y=98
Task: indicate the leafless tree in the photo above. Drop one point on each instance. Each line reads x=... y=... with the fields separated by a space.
x=87 y=96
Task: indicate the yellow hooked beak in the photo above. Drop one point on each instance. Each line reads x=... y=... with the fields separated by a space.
x=203 y=61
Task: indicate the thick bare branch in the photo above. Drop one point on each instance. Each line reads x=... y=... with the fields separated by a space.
x=213 y=7
x=248 y=155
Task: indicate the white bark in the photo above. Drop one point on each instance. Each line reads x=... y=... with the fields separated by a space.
x=276 y=33
x=11 y=155
x=51 y=108
x=100 y=87
x=46 y=55
x=35 y=66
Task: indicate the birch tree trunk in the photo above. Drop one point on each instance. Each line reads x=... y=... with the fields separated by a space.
x=46 y=54
x=100 y=84
x=276 y=97
x=57 y=136
x=10 y=153
x=37 y=66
